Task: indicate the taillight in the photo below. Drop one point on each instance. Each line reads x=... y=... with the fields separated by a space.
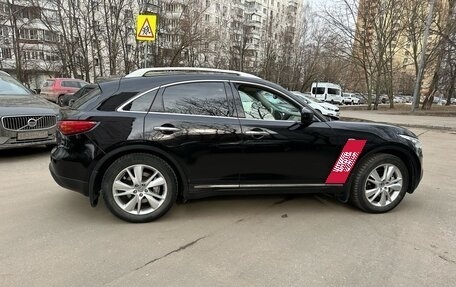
x=75 y=127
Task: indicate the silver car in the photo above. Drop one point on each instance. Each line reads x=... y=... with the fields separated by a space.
x=25 y=118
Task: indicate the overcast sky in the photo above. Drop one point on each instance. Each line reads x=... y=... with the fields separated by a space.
x=318 y=4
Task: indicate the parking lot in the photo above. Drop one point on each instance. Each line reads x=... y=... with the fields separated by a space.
x=52 y=237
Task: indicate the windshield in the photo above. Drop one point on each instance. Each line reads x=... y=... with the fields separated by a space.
x=10 y=87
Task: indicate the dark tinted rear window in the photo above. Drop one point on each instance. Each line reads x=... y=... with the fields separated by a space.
x=72 y=84
x=85 y=98
x=197 y=99
x=142 y=103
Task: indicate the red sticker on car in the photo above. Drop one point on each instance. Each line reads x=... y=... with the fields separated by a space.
x=346 y=161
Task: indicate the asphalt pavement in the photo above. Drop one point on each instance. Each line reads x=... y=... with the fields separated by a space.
x=50 y=236
x=406 y=120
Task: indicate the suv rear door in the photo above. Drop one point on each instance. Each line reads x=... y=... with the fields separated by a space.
x=197 y=124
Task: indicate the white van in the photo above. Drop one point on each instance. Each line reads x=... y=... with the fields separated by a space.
x=327 y=92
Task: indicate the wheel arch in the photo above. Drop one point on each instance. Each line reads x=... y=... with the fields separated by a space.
x=408 y=157
x=99 y=169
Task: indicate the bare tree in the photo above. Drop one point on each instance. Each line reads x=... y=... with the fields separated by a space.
x=369 y=33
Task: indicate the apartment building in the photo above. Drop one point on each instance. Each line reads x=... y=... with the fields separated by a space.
x=93 y=39
x=397 y=27
x=26 y=41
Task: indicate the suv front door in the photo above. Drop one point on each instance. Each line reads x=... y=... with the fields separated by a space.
x=279 y=151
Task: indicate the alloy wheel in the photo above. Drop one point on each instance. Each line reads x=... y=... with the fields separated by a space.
x=383 y=185
x=139 y=189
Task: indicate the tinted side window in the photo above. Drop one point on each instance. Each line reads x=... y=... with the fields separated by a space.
x=71 y=84
x=318 y=91
x=197 y=99
x=141 y=104
x=261 y=104
x=334 y=91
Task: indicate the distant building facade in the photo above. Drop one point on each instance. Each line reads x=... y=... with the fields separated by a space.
x=88 y=39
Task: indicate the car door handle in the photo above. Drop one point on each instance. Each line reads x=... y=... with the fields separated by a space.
x=256 y=133
x=165 y=129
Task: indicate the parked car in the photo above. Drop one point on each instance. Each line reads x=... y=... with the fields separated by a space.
x=398 y=100
x=327 y=92
x=69 y=99
x=439 y=101
x=54 y=89
x=382 y=99
x=349 y=99
x=149 y=138
x=325 y=109
x=362 y=99
x=26 y=119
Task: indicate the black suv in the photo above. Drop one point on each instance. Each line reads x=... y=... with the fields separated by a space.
x=160 y=134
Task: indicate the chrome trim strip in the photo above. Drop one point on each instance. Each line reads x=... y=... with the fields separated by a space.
x=206 y=116
x=289 y=185
x=256 y=133
x=166 y=129
x=266 y=185
x=120 y=109
x=217 y=186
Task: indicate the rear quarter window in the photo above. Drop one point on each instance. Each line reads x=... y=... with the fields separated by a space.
x=71 y=84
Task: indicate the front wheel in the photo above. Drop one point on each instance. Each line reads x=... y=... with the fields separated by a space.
x=139 y=187
x=380 y=183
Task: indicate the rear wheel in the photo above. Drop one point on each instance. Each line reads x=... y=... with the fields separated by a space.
x=60 y=100
x=139 y=187
x=380 y=183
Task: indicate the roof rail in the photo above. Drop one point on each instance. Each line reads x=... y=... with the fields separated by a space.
x=143 y=72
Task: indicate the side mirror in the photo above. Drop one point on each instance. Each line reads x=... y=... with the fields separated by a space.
x=306 y=117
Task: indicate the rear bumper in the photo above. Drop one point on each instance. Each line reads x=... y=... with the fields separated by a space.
x=79 y=186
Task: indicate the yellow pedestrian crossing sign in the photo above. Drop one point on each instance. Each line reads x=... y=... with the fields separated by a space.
x=146 y=27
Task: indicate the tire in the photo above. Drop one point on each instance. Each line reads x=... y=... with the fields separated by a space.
x=133 y=202
x=70 y=102
x=60 y=100
x=379 y=197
